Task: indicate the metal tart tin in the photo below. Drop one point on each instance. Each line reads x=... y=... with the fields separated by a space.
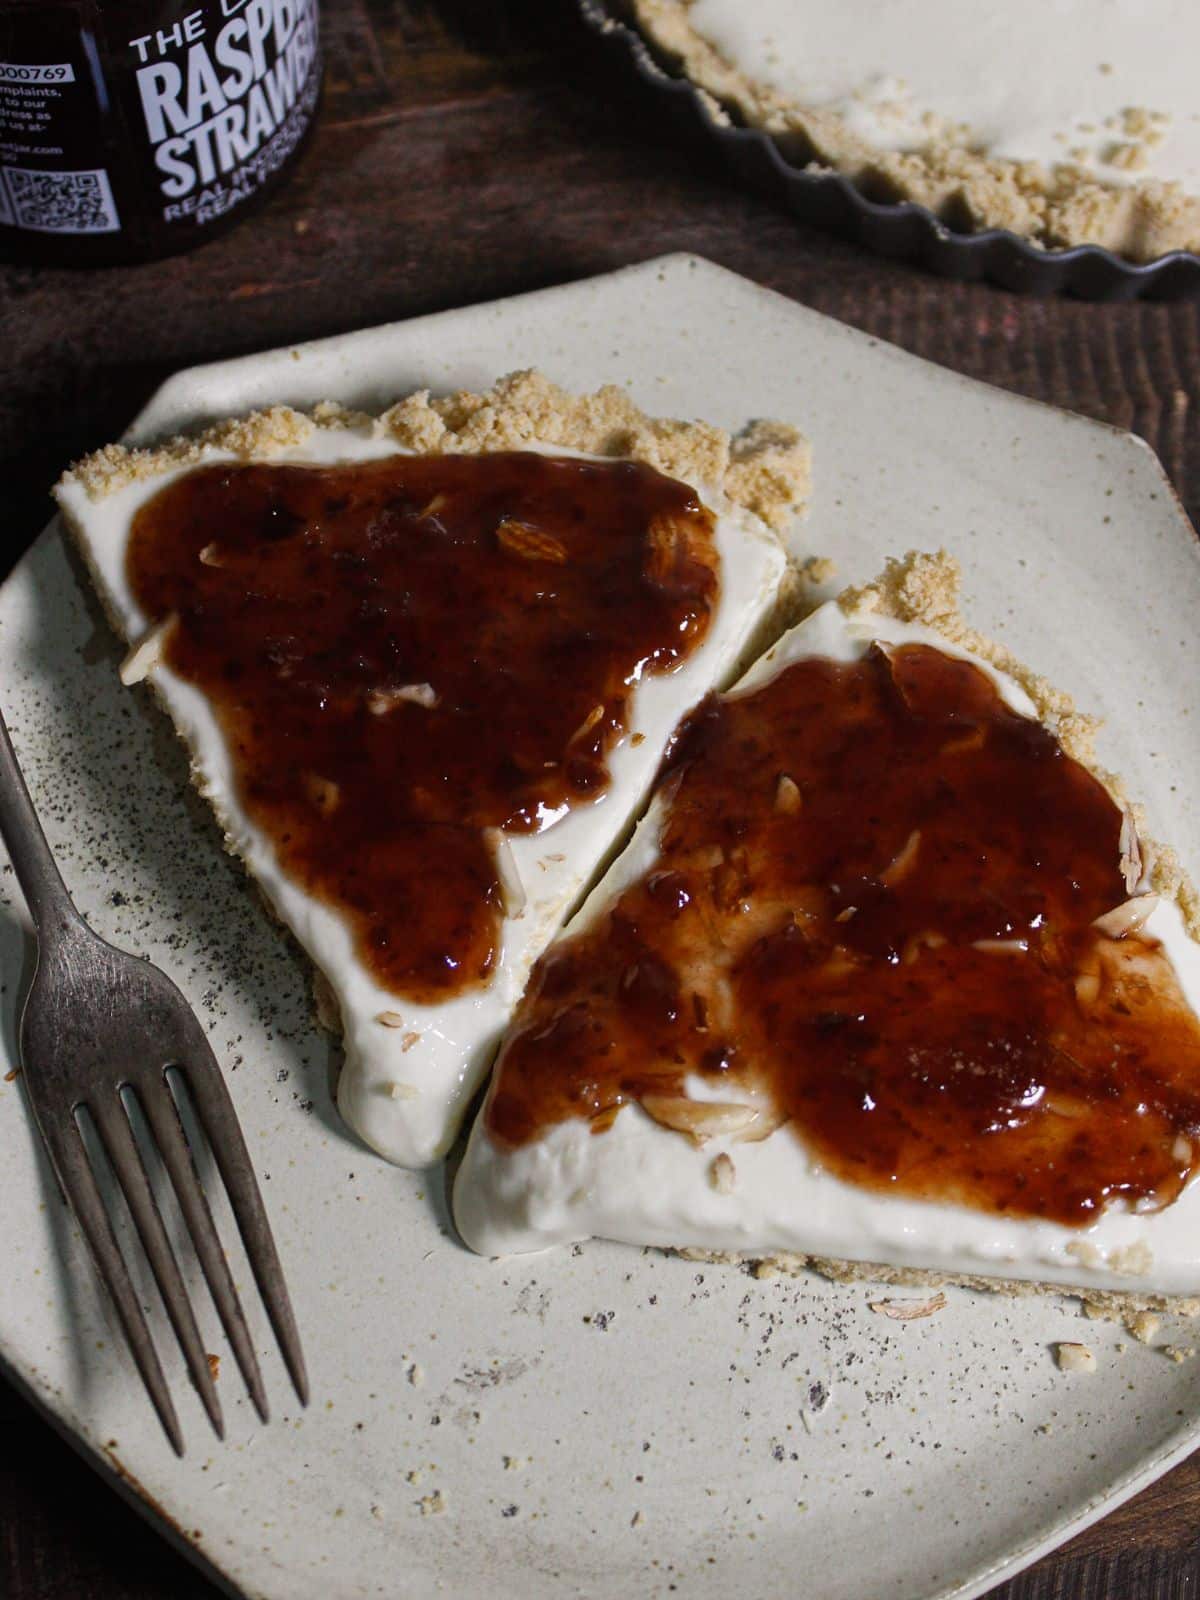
x=906 y=231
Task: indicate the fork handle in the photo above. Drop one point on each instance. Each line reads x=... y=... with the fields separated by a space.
x=41 y=882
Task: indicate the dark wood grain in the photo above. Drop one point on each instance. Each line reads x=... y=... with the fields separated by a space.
x=468 y=150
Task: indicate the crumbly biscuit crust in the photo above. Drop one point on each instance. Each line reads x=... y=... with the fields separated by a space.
x=1116 y=1305
x=764 y=469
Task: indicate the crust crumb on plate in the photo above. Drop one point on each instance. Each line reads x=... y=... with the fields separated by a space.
x=1072 y=1357
x=909 y=1310
x=817 y=570
x=1143 y=1325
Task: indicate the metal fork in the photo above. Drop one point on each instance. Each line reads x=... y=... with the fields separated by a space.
x=101 y=1029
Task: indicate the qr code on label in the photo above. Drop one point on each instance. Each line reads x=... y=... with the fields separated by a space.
x=62 y=202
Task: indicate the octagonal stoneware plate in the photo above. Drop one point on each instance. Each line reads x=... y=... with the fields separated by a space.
x=599 y=1421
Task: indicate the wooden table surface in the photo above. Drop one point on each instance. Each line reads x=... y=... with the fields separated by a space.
x=469 y=149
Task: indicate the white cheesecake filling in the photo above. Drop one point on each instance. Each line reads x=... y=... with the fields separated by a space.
x=643 y=1184
x=407 y=1081
x=1033 y=80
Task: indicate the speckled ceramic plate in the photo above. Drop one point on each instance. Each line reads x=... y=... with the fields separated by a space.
x=600 y=1421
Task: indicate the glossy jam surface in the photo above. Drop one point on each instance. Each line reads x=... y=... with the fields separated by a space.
x=405 y=653
x=872 y=914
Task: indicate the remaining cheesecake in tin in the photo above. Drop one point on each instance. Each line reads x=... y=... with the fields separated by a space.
x=886 y=980
x=426 y=664
x=1073 y=123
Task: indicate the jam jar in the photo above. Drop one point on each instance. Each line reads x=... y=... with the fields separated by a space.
x=133 y=129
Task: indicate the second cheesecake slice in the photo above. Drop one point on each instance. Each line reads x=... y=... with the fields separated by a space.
x=887 y=978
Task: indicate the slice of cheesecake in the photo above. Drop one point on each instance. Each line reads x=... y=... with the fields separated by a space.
x=886 y=980
x=426 y=664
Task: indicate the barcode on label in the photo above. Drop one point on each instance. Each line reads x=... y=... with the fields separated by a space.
x=61 y=202
x=52 y=72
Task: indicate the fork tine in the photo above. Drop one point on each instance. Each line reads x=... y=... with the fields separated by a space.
x=70 y=1161
x=112 y=1124
x=158 y=1107
x=211 y=1098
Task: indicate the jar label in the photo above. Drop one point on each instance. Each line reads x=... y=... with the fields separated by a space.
x=152 y=131
x=49 y=180
x=224 y=99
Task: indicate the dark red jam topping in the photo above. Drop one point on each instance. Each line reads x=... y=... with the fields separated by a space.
x=875 y=907
x=407 y=652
